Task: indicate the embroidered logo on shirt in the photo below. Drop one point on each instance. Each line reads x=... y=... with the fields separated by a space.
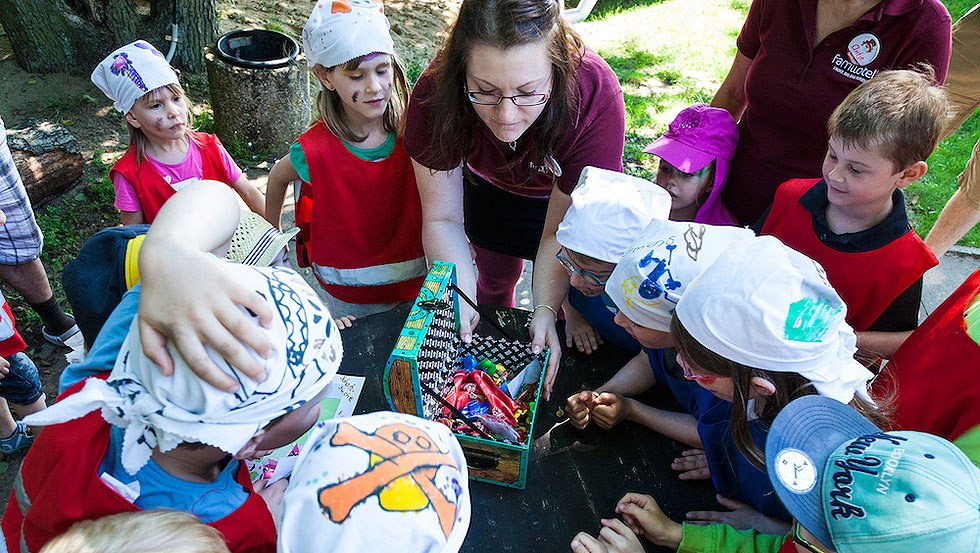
x=861 y=51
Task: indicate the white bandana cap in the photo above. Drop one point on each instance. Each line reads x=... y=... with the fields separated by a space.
x=659 y=266
x=163 y=411
x=341 y=30
x=608 y=211
x=767 y=306
x=130 y=72
x=377 y=482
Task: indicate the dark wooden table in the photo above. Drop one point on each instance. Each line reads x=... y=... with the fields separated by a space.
x=574 y=477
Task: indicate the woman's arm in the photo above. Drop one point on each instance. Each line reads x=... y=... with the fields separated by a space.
x=280 y=176
x=188 y=296
x=443 y=237
x=731 y=94
x=549 y=287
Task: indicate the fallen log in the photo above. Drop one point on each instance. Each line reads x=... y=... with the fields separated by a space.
x=48 y=159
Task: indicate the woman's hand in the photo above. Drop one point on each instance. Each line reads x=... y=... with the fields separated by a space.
x=643 y=515
x=741 y=517
x=692 y=465
x=544 y=334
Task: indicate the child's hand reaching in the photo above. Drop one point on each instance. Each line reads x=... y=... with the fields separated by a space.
x=4 y=368
x=579 y=408
x=741 y=517
x=345 y=322
x=643 y=515
x=615 y=537
x=273 y=495
x=692 y=465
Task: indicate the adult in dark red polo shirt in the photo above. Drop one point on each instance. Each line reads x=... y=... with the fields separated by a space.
x=499 y=128
x=796 y=60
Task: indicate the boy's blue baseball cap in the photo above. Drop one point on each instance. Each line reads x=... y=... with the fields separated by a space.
x=861 y=489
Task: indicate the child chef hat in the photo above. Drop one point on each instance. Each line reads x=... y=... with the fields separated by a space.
x=609 y=210
x=768 y=306
x=132 y=71
x=377 y=482
x=341 y=30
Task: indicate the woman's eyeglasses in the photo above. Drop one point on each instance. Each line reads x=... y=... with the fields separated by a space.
x=800 y=540
x=589 y=276
x=491 y=99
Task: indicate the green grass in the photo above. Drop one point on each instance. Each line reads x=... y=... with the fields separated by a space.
x=662 y=65
x=669 y=54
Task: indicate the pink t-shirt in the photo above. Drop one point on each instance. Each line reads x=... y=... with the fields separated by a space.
x=178 y=175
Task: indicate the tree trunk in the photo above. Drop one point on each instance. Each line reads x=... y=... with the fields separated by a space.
x=73 y=36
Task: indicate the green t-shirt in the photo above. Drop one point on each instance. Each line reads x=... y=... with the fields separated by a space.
x=972 y=316
x=298 y=158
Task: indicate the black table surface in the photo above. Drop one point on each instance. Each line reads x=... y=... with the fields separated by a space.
x=574 y=477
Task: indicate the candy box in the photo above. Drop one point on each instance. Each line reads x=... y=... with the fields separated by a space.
x=429 y=358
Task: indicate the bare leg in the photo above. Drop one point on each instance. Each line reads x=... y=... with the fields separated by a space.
x=29 y=279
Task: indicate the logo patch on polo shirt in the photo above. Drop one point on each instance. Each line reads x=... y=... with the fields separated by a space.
x=861 y=51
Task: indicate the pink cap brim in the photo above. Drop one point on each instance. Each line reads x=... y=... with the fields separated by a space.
x=685 y=158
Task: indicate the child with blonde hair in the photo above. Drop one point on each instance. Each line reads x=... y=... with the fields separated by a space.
x=358 y=207
x=160 y=531
x=164 y=154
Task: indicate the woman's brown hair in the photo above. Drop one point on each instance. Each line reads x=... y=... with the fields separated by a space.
x=503 y=24
x=330 y=109
x=789 y=386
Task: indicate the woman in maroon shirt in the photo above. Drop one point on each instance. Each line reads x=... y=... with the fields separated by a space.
x=788 y=77
x=499 y=128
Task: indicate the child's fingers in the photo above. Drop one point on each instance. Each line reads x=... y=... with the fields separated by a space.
x=155 y=348
x=730 y=503
x=696 y=474
x=584 y=543
x=639 y=499
x=619 y=536
x=707 y=517
x=242 y=330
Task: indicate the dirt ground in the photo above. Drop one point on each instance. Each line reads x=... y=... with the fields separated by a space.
x=73 y=101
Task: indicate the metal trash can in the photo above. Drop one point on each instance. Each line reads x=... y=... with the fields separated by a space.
x=260 y=90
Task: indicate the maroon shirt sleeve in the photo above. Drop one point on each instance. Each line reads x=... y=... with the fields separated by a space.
x=748 y=38
x=932 y=43
x=599 y=134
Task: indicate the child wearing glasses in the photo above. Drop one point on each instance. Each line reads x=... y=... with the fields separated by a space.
x=790 y=340
x=850 y=486
x=358 y=210
x=695 y=154
x=609 y=210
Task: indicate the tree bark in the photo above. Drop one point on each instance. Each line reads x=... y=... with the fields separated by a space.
x=48 y=159
x=73 y=36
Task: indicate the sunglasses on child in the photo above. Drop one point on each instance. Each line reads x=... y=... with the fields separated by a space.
x=688 y=374
x=800 y=540
x=591 y=277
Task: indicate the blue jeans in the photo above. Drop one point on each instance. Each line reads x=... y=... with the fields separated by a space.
x=21 y=386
